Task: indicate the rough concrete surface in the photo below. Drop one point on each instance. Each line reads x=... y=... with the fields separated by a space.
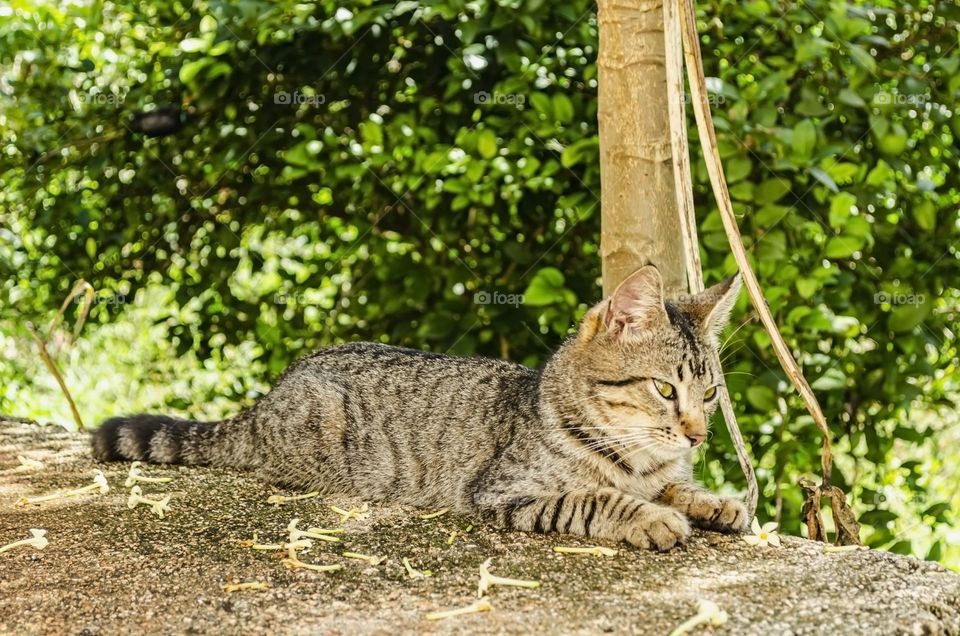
x=112 y=570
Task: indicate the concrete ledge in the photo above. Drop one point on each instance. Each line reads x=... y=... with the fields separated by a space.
x=111 y=570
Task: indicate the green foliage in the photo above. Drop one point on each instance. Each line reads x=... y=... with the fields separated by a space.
x=376 y=173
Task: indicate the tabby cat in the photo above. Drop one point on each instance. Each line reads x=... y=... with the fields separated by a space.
x=598 y=443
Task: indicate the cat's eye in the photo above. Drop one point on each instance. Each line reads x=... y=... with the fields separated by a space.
x=665 y=389
x=709 y=394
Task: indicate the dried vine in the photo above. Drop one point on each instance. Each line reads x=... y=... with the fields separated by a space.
x=847 y=527
x=688 y=221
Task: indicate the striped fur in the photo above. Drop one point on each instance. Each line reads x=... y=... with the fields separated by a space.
x=587 y=446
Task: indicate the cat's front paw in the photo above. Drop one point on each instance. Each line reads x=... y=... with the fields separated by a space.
x=722 y=514
x=657 y=528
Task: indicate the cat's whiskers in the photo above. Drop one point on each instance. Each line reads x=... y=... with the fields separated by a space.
x=726 y=356
x=732 y=334
x=621 y=442
x=604 y=429
x=584 y=452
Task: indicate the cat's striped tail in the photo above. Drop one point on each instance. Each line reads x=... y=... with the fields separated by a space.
x=155 y=438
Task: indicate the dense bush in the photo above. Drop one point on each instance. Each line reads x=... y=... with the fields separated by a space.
x=365 y=172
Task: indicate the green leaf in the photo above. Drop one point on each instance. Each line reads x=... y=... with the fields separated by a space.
x=762 y=398
x=807 y=287
x=804 y=138
x=831 y=380
x=562 y=108
x=906 y=317
x=850 y=98
x=862 y=57
x=843 y=246
x=738 y=168
x=894 y=142
x=579 y=152
x=840 y=208
x=487 y=144
x=925 y=214
x=208 y=24
x=771 y=191
x=881 y=175
x=824 y=178
x=189 y=70
x=542 y=104
x=545 y=288
x=193 y=45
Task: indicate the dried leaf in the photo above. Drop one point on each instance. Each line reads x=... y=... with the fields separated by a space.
x=848 y=528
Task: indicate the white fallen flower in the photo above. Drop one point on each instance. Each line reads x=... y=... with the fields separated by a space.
x=294 y=564
x=844 y=548
x=239 y=587
x=708 y=613
x=310 y=533
x=278 y=500
x=763 y=535
x=160 y=506
x=136 y=475
x=596 y=550
x=483 y=605
x=487 y=580
x=99 y=484
x=360 y=513
x=413 y=572
x=293 y=546
x=456 y=534
x=38 y=541
x=372 y=560
x=26 y=463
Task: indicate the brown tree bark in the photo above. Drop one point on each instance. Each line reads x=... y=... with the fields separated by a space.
x=639 y=219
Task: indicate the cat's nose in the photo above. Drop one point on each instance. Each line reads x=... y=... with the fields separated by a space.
x=696 y=439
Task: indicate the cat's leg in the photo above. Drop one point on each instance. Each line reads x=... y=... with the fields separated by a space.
x=605 y=514
x=705 y=509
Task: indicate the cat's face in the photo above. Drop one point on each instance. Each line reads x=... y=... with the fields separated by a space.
x=645 y=365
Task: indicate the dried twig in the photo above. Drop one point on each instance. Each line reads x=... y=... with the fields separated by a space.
x=239 y=587
x=278 y=500
x=595 y=550
x=81 y=287
x=476 y=607
x=434 y=515
x=708 y=136
x=52 y=367
x=688 y=221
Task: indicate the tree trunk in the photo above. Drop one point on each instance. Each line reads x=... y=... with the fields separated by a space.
x=639 y=219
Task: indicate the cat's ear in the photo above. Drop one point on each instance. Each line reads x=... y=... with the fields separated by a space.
x=592 y=323
x=712 y=306
x=637 y=304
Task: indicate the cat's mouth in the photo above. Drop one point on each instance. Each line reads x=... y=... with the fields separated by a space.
x=673 y=442
x=649 y=443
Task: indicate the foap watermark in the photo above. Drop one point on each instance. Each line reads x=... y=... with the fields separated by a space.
x=900 y=99
x=113 y=300
x=500 y=99
x=899 y=298
x=110 y=99
x=713 y=99
x=497 y=298
x=296 y=98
